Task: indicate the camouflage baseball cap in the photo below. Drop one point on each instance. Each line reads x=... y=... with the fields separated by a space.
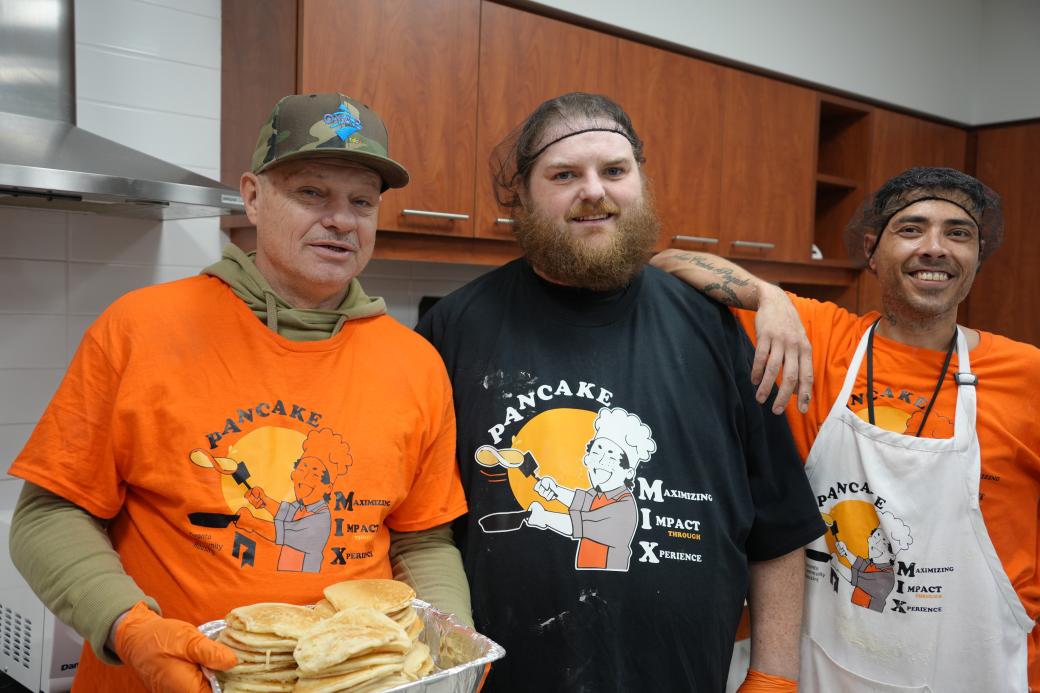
x=305 y=126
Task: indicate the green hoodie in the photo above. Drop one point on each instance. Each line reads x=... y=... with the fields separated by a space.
x=238 y=270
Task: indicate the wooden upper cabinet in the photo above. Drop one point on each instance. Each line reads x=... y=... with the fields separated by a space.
x=415 y=63
x=768 y=168
x=1006 y=295
x=902 y=142
x=526 y=59
x=675 y=103
x=258 y=62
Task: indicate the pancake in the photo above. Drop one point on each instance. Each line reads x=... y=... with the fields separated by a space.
x=386 y=596
x=418 y=662
x=284 y=620
x=343 y=682
x=324 y=608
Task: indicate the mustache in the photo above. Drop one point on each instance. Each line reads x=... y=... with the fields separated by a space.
x=585 y=209
x=926 y=266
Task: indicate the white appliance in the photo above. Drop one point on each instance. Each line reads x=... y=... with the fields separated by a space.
x=36 y=649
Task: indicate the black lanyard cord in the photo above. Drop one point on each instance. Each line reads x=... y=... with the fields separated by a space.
x=870 y=377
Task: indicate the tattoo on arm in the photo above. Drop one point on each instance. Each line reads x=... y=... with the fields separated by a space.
x=722 y=291
x=723 y=294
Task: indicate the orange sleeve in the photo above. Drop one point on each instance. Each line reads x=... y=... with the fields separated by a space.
x=70 y=452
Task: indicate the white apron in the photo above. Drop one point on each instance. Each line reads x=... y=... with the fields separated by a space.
x=940 y=615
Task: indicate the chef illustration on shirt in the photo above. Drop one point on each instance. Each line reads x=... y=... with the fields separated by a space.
x=602 y=518
x=302 y=527
x=873 y=578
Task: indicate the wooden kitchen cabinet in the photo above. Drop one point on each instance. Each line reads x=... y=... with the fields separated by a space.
x=524 y=60
x=415 y=63
x=675 y=103
x=1006 y=295
x=768 y=168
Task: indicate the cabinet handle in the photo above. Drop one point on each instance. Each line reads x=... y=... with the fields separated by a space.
x=434 y=215
x=696 y=239
x=754 y=244
x=505 y=221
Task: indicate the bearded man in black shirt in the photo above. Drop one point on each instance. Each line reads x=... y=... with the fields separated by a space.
x=542 y=353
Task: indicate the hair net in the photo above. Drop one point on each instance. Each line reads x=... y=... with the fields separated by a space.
x=915 y=185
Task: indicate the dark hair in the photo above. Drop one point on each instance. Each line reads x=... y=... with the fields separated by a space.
x=917 y=184
x=514 y=157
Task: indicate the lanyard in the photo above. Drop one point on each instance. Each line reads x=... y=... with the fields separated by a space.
x=870 y=377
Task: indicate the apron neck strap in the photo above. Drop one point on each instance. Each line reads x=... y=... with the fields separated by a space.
x=938 y=383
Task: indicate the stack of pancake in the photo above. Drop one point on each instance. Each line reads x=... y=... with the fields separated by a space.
x=390 y=597
x=355 y=649
x=361 y=638
x=263 y=637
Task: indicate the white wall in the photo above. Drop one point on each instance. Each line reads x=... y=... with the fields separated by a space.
x=970 y=61
x=148 y=76
x=1008 y=86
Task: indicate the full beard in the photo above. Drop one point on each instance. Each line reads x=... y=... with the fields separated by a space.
x=568 y=259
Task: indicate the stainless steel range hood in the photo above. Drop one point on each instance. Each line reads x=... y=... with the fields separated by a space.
x=46 y=161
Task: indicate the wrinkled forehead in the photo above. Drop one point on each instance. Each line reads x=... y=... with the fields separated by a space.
x=563 y=130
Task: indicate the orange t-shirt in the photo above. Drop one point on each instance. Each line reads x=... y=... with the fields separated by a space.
x=904 y=380
x=347 y=437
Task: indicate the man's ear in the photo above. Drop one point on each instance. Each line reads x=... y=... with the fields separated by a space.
x=249 y=188
x=869 y=242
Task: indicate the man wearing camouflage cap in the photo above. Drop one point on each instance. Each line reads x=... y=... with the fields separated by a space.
x=175 y=470
x=921 y=443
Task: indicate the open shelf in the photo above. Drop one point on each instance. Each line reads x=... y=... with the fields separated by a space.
x=842 y=170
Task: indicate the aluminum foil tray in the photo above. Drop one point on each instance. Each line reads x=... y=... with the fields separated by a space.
x=461 y=656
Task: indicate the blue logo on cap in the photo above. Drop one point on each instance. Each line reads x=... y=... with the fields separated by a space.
x=343 y=121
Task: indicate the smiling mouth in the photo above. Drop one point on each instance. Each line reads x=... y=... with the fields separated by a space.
x=592 y=219
x=931 y=275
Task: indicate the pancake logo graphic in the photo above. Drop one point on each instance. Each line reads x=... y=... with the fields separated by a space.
x=572 y=472
x=291 y=509
x=862 y=544
x=903 y=411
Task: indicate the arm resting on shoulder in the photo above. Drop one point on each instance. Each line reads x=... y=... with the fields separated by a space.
x=429 y=561
x=775 y=605
x=65 y=555
x=781 y=342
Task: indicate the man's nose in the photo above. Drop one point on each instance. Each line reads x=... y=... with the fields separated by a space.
x=340 y=217
x=933 y=243
x=592 y=188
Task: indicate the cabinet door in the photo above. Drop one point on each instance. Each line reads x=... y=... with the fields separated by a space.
x=902 y=142
x=415 y=63
x=1006 y=296
x=768 y=168
x=524 y=60
x=675 y=103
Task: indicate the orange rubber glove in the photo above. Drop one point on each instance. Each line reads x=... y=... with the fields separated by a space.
x=757 y=682
x=166 y=653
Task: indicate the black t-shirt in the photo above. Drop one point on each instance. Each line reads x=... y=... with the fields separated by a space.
x=665 y=478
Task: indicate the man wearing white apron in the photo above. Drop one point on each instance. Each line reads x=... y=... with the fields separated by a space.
x=923 y=451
